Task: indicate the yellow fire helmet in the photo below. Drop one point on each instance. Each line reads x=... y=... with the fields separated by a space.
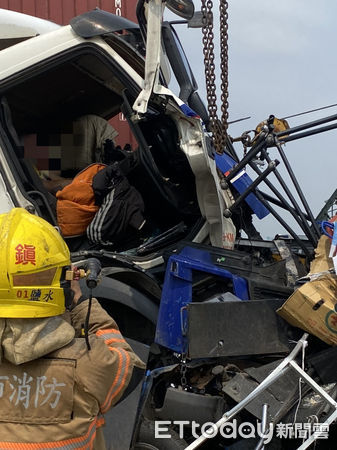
x=33 y=258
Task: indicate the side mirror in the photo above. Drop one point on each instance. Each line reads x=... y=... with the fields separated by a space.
x=183 y=8
x=196 y=21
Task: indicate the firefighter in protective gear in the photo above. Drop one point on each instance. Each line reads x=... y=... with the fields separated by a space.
x=53 y=390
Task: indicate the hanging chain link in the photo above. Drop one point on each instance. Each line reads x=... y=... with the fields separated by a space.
x=183 y=370
x=224 y=62
x=219 y=129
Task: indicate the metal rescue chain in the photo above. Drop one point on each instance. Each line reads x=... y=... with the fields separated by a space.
x=224 y=62
x=183 y=370
x=219 y=129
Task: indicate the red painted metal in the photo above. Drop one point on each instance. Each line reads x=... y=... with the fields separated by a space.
x=61 y=12
x=81 y=6
x=54 y=12
x=41 y=8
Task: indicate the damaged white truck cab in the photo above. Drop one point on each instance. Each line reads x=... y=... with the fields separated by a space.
x=99 y=65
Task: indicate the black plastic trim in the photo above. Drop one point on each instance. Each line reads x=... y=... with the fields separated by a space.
x=99 y=22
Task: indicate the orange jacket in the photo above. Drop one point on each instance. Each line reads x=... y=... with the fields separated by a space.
x=76 y=202
x=58 y=401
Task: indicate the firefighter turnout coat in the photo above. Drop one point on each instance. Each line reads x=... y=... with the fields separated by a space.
x=58 y=400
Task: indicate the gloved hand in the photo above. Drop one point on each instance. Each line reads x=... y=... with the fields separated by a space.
x=75 y=286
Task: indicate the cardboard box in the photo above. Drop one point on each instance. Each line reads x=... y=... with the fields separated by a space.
x=322 y=261
x=312 y=308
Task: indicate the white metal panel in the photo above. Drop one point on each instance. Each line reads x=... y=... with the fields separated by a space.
x=32 y=51
x=6 y=203
x=14 y=25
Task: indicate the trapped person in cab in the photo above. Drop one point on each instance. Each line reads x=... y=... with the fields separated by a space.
x=58 y=156
x=55 y=383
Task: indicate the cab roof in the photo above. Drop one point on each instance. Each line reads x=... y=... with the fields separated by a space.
x=16 y=27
